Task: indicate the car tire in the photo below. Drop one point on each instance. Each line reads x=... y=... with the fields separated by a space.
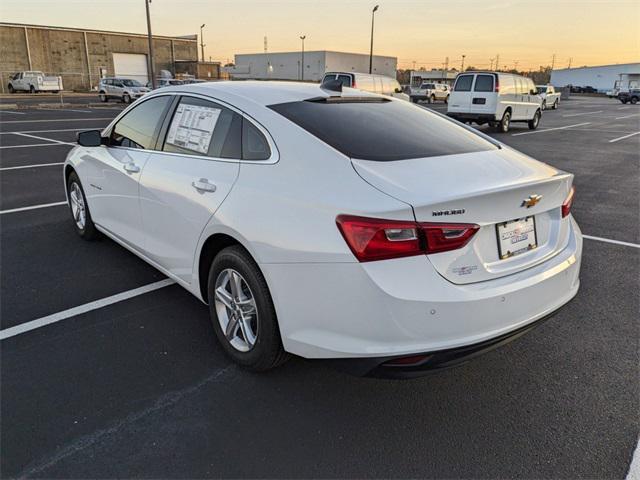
x=126 y=98
x=32 y=89
x=544 y=105
x=103 y=97
x=535 y=121
x=261 y=348
x=624 y=102
x=414 y=100
x=503 y=125
x=555 y=104
x=446 y=100
x=634 y=100
x=432 y=99
x=11 y=89
x=79 y=208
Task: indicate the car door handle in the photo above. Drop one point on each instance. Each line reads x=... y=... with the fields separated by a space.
x=203 y=185
x=131 y=168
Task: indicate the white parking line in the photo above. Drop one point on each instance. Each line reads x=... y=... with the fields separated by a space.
x=28 y=135
x=60 y=120
x=634 y=468
x=12 y=113
x=607 y=240
x=622 y=138
x=551 y=129
x=35 y=145
x=32 y=207
x=583 y=113
x=627 y=116
x=64 y=110
x=52 y=131
x=31 y=166
x=87 y=307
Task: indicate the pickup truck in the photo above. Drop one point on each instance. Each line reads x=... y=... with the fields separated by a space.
x=550 y=98
x=34 y=81
x=430 y=92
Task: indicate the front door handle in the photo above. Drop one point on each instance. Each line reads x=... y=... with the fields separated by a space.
x=203 y=185
x=131 y=168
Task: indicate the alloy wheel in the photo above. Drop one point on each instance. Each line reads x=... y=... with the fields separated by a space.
x=236 y=310
x=78 y=209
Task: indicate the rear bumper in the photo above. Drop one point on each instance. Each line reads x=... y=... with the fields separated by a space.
x=421 y=364
x=472 y=117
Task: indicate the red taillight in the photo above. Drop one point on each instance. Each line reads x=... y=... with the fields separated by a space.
x=375 y=239
x=497 y=87
x=442 y=237
x=353 y=83
x=568 y=202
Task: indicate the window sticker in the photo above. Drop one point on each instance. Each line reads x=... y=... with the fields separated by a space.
x=192 y=127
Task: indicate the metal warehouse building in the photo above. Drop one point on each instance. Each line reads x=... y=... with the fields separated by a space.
x=82 y=57
x=287 y=65
x=601 y=78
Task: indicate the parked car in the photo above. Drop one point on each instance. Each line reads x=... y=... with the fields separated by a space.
x=549 y=96
x=167 y=82
x=34 y=82
x=430 y=92
x=495 y=98
x=633 y=95
x=124 y=89
x=367 y=82
x=399 y=241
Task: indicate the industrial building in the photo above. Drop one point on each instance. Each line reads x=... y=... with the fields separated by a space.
x=417 y=77
x=602 y=78
x=81 y=57
x=287 y=65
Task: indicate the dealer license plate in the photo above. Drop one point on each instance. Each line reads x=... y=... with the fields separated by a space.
x=516 y=237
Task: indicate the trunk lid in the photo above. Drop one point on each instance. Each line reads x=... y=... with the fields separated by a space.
x=484 y=188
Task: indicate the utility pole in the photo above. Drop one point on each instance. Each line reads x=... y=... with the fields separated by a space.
x=202 y=41
x=553 y=61
x=497 y=61
x=570 y=60
x=462 y=66
x=373 y=16
x=151 y=72
x=414 y=64
x=302 y=37
x=265 y=44
x=491 y=67
x=515 y=65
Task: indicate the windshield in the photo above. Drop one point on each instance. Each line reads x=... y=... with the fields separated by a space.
x=542 y=89
x=381 y=130
x=131 y=83
x=427 y=85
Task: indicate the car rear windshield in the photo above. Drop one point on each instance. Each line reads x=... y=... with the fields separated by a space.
x=381 y=130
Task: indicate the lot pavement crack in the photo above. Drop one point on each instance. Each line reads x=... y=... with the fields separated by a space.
x=165 y=401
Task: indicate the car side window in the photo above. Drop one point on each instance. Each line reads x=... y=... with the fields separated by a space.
x=484 y=83
x=201 y=127
x=254 y=143
x=137 y=129
x=345 y=80
x=463 y=83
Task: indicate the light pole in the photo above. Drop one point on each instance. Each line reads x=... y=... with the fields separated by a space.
x=373 y=14
x=202 y=41
x=302 y=37
x=462 y=67
x=151 y=73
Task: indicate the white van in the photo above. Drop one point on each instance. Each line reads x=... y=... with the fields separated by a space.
x=368 y=82
x=495 y=98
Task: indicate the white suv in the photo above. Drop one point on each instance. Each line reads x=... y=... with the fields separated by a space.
x=495 y=98
x=124 y=89
x=367 y=82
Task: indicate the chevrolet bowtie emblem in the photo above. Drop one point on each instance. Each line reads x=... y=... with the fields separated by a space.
x=531 y=200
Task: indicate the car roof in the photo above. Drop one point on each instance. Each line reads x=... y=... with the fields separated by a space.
x=262 y=93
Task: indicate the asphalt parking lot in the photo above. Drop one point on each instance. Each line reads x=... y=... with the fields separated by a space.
x=139 y=387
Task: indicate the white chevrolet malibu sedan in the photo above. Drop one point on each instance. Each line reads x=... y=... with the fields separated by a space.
x=331 y=224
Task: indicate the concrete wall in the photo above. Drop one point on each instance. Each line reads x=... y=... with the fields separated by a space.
x=601 y=78
x=286 y=65
x=62 y=52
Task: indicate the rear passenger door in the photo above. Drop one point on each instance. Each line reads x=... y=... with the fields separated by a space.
x=460 y=99
x=484 y=98
x=193 y=169
x=521 y=100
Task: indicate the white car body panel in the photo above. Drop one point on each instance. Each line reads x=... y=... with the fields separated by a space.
x=283 y=211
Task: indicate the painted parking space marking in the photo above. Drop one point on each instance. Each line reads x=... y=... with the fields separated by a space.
x=622 y=138
x=28 y=135
x=35 y=145
x=31 y=166
x=634 y=468
x=32 y=207
x=608 y=240
x=54 y=131
x=627 y=116
x=12 y=113
x=582 y=113
x=59 y=120
x=551 y=129
x=79 y=310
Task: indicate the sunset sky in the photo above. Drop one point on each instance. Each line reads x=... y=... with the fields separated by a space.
x=422 y=31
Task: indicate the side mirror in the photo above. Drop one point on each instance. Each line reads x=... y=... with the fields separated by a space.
x=398 y=90
x=90 y=138
x=533 y=92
